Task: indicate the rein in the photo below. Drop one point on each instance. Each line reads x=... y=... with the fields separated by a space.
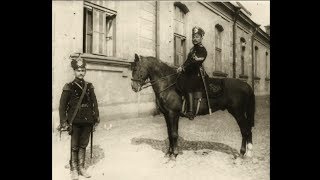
x=143 y=86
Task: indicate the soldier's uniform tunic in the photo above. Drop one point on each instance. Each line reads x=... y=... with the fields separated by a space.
x=87 y=115
x=191 y=76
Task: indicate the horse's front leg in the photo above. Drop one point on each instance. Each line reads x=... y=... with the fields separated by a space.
x=170 y=148
x=173 y=119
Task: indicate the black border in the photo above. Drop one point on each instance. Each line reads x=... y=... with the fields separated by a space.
x=26 y=60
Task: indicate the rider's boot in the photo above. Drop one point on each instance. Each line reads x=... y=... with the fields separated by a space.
x=189 y=113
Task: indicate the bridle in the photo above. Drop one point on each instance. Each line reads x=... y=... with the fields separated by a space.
x=144 y=83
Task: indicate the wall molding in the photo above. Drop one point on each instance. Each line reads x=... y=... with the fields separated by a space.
x=104 y=60
x=216 y=11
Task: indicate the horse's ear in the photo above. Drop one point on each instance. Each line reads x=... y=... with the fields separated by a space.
x=136 y=58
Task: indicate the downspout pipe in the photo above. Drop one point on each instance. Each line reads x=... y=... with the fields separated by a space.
x=234 y=65
x=157 y=38
x=252 y=54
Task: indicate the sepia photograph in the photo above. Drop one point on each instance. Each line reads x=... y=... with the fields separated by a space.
x=160 y=90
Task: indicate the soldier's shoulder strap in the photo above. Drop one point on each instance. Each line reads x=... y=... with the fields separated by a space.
x=66 y=87
x=79 y=103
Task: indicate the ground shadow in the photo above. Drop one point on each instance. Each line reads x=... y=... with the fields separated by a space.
x=187 y=145
x=97 y=155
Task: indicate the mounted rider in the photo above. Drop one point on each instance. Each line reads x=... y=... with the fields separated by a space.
x=190 y=70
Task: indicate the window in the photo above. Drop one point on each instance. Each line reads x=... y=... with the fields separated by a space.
x=218 y=47
x=87 y=40
x=256 y=52
x=179 y=47
x=99 y=31
x=243 y=48
x=179 y=35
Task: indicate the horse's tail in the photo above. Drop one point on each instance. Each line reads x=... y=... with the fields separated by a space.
x=251 y=108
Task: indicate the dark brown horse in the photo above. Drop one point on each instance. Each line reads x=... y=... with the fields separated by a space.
x=237 y=97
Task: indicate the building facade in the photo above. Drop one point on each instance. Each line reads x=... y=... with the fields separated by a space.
x=109 y=33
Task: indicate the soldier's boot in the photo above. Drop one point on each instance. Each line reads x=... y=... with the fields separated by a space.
x=189 y=113
x=82 y=157
x=74 y=165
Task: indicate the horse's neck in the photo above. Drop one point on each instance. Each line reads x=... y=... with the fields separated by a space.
x=158 y=71
x=162 y=76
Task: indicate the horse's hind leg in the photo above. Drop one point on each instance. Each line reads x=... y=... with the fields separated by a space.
x=249 y=143
x=246 y=145
x=245 y=129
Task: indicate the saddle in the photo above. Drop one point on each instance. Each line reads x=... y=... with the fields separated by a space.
x=215 y=90
x=215 y=87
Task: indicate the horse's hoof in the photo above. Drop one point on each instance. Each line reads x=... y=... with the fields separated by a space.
x=176 y=152
x=248 y=154
x=242 y=152
x=173 y=157
x=167 y=155
x=249 y=150
x=237 y=161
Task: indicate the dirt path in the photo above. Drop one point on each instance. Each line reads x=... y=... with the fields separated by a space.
x=134 y=149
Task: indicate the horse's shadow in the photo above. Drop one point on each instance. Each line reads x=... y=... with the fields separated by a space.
x=186 y=145
x=97 y=155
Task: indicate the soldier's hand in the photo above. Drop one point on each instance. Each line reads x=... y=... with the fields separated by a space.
x=62 y=127
x=180 y=69
x=95 y=126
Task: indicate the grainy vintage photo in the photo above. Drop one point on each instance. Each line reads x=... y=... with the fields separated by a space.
x=160 y=90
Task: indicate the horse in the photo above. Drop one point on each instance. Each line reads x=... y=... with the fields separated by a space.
x=237 y=97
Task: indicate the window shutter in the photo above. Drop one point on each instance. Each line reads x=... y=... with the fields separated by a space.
x=218 y=60
x=178 y=51
x=88 y=31
x=98 y=32
x=109 y=38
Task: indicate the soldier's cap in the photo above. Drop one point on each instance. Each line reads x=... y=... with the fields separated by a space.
x=78 y=62
x=197 y=30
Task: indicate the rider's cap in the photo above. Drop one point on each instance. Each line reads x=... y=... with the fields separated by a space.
x=78 y=63
x=197 y=30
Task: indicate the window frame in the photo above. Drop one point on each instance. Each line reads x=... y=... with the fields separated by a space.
x=242 y=55
x=180 y=13
x=218 y=48
x=256 y=55
x=183 y=40
x=106 y=13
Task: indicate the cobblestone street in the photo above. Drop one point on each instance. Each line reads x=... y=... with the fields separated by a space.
x=134 y=149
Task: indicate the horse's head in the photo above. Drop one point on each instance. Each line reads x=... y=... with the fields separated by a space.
x=139 y=73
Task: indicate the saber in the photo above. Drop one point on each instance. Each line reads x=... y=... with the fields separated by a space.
x=205 y=88
x=91 y=142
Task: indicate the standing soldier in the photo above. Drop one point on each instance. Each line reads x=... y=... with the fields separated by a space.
x=79 y=115
x=191 y=75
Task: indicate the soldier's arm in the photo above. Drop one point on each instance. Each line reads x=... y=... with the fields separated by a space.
x=197 y=58
x=64 y=100
x=95 y=104
x=200 y=55
x=188 y=62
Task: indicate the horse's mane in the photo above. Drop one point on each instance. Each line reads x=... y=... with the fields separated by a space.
x=161 y=66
